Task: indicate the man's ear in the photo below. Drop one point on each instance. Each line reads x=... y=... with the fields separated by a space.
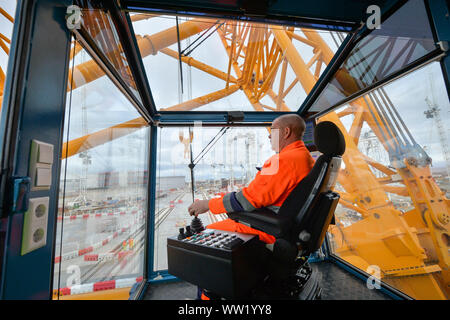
x=287 y=132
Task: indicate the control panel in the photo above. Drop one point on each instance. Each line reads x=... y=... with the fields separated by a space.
x=215 y=239
x=227 y=263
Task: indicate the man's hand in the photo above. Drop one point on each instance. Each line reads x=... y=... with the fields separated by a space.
x=198 y=207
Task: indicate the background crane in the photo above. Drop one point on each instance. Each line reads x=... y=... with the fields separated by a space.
x=434 y=112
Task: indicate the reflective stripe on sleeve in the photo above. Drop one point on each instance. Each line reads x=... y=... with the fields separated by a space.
x=244 y=202
x=227 y=202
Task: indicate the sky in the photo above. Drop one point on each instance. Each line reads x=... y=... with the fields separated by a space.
x=106 y=106
x=101 y=98
x=408 y=96
x=408 y=93
x=6 y=28
x=163 y=71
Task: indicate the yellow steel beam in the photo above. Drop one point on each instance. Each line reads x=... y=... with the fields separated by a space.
x=5 y=38
x=292 y=35
x=6 y=15
x=343 y=77
x=232 y=52
x=200 y=65
x=4 y=47
x=100 y=137
x=200 y=101
x=2 y=80
x=281 y=105
x=384 y=237
x=250 y=56
x=401 y=191
x=354 y=207
x=378 y=165
x=269 y=78
x=295 y=60
x=235 y=65
x=355 y=129
x=148 y=45
x=316 y=57
x=282 y=81
x=429 y=200
x=372 y=198
x=292 y=85
x=112 y=294
x=142 y=16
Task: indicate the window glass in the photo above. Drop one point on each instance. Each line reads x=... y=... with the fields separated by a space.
x=228 y=64
x=230 y=164
x=403 y=38
x=100 y=245
x=100 y=26
x=7 y=11
x=393 y=217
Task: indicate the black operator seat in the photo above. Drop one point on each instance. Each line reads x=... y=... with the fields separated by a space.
x=303 y=219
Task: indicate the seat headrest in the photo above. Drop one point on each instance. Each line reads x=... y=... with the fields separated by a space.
x=329 y=139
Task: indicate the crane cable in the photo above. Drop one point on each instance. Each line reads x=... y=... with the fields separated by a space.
x=202 y=153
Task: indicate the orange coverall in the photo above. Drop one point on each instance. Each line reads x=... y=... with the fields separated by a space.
x=278 y=177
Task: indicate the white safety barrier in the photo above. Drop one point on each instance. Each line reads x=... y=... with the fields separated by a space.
x=97 y=286
x=77 y=253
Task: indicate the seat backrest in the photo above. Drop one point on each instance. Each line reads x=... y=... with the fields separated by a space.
x=311 y=204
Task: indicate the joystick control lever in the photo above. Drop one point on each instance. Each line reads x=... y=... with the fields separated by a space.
x=197 y=225
x=188 y=232
x=181 y=235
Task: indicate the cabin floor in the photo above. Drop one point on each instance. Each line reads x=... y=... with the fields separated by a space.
x=336 y=284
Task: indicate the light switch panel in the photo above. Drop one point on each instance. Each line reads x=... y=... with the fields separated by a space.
x=40 y=166
x=45 y=152
x=43 y=177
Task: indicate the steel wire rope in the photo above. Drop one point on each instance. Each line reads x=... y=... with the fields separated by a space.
x=387 y=123
x=393 y=128
x=383 y=116
x=190 y=51
x=202 y=153
x=199 y=37
x=191 y=167
x=389 y=102
x=387 y=145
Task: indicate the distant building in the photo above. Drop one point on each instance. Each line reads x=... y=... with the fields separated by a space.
x=137 y=178
x=172 y=182
x=108 y=179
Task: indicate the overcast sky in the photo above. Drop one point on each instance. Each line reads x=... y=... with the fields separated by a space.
x=6 y=28
x=106 y=106
x=163 y=71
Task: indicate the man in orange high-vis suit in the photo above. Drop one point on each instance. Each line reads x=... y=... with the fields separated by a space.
x=271 y=186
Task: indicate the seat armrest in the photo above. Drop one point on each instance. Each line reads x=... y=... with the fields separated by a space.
x=262 y=219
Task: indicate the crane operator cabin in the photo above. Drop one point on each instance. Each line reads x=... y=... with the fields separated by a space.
x=224 y=150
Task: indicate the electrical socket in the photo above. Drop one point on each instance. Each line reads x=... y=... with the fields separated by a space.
x=34 y=234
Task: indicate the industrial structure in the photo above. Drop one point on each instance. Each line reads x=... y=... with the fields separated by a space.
x=145 y=107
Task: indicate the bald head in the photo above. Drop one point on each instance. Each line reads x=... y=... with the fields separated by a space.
x=285 y=130
x=294 y=122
